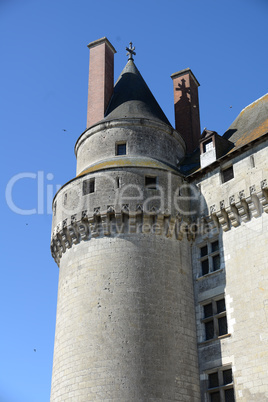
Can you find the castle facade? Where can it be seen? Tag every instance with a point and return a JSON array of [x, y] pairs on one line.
[[161, 242]]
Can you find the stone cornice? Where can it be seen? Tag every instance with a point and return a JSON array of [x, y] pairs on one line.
[[129, 161], [239, 208], [82, 227]]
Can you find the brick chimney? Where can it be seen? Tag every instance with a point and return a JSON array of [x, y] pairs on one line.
[[101, 79], [186, 104]]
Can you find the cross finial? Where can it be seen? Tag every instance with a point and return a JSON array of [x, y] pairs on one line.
[[130, 51]]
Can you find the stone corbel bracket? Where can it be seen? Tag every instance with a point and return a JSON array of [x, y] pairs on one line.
[[241, 208]]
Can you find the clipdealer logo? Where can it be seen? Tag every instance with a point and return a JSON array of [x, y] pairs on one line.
[[43, 188]]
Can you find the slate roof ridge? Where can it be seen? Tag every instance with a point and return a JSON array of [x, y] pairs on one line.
[[250, 123], [254, 102]]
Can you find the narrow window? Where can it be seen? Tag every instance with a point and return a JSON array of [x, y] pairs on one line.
[[121, 148], [118, 182], [227, 174], [208, 310], [213, 380], [216, 262], [204, 251], [209, 328], [205, 266], [88, 186], [227, 376], [151, 182], [252, 161], [215, 246]]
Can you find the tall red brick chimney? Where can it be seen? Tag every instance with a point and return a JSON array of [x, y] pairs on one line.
[[186, 104], [101, 79]]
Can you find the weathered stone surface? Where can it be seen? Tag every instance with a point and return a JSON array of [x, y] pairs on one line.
[[117, 298], [242, 279]]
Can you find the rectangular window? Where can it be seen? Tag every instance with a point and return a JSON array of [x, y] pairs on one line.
[[214, 318], [220, 386], [210, 260], [151, 182], [227, 174], [121, 148], [208, 145], [88, 186]]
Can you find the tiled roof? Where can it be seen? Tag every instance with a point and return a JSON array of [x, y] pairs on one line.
[[250, 124]]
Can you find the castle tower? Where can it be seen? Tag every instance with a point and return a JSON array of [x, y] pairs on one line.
[[125, 327]]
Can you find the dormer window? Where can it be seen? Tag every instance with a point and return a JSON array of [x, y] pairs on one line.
[[212, 147], [207, 148]]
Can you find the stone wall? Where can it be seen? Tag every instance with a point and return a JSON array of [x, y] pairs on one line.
[[125, 326], [144, 138], [236, 216], [125, 321]]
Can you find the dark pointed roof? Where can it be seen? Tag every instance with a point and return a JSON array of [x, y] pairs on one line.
[[133, 99]]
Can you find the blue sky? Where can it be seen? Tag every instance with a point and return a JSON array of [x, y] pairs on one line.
[[43, 81]]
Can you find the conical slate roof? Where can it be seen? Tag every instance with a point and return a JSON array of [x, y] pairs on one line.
[[133, 99]]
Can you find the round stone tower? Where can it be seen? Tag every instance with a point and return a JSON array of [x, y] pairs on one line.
[[125, 327]]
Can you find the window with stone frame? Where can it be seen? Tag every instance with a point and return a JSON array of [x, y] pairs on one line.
[[151, 182], [220, 386], [121, 148], [210, 260], [214, 318], [88, 186], [227, 174]]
